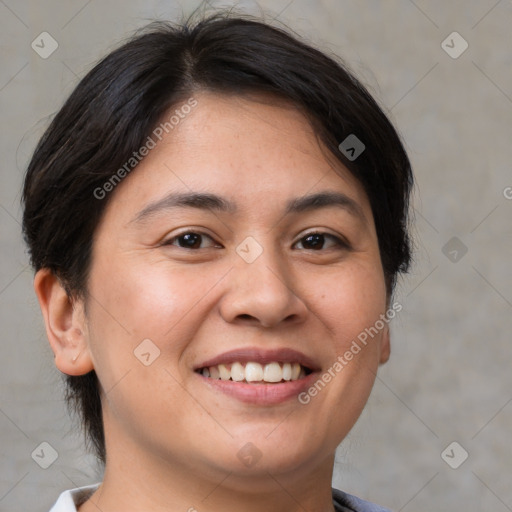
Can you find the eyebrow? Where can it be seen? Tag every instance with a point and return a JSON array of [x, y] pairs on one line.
[[208, 201]]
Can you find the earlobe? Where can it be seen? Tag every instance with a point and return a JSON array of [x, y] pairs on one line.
[[385, 346], [65, 324]]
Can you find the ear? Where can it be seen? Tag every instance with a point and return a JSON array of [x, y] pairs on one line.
[[64, 320], [385, 345]]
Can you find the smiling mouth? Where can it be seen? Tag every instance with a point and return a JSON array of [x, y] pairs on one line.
[[256, 373]]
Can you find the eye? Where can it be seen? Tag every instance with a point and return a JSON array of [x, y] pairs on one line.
[[316, 241], [189, 240]]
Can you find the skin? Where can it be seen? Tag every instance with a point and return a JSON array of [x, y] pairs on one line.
[[172, 442]]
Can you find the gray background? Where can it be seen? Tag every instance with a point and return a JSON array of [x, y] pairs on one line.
[[449, 376]]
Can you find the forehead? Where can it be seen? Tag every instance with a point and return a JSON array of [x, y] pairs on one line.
[[254, 151]]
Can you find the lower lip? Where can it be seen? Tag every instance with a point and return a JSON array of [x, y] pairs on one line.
[[261, 394]]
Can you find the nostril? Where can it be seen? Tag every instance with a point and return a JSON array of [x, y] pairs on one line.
[[244, 316]]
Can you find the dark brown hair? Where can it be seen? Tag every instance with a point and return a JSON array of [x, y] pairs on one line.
[[119, 102]]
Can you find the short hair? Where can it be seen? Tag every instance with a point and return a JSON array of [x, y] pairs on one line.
[[115, 107]]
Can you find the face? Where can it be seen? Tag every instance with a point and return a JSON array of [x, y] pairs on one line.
[[235, 283]]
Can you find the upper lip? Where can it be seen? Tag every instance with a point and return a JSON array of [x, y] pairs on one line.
[[262, 356]]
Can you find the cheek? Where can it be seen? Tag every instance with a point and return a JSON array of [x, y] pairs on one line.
[[351, 301], [132, 301]]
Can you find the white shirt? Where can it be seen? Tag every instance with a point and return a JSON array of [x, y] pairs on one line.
[[69, 500]]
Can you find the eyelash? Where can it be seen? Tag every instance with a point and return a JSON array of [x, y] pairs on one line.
[[339, 242]]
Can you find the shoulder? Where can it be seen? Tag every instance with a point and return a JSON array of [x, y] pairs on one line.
[[344, 502], [69, 500]]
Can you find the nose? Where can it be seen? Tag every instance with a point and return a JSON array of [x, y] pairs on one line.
[[262, 293]]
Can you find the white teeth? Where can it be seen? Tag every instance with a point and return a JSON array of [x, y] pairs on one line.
[[272, 373], [237, 372], [287, 371], [225, 374], [295, 371], [255, 372]]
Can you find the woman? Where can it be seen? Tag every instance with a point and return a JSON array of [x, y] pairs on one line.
[[217, 217]]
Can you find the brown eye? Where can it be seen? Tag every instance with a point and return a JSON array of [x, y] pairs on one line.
[[317, 241], [188, 240]]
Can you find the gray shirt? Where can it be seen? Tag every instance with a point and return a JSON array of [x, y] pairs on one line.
[[344, 502]]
